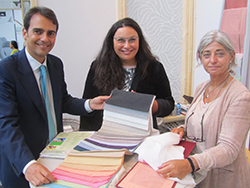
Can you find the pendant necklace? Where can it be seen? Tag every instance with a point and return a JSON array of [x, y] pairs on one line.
[[207, 95], [225, 81]]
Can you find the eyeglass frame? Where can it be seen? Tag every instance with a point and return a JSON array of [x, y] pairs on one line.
[[193, 137], [126, 39]]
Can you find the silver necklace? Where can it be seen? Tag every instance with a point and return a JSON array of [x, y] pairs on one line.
[[217, 92], [207, 95]]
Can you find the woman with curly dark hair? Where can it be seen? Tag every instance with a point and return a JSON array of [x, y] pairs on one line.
[[125, 62]]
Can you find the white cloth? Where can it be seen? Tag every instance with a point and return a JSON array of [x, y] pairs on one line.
[[155, 150]]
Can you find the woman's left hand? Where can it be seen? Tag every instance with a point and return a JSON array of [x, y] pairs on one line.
[[155, 107], [175, 168]]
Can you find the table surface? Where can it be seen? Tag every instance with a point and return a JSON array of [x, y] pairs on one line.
[[129, 162]]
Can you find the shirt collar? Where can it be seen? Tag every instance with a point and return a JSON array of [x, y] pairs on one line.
[[33, 62]]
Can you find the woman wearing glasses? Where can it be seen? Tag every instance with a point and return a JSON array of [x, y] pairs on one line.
[[218, 121], [125, 62]]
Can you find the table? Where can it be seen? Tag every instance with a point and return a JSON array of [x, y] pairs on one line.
[[129, 162]]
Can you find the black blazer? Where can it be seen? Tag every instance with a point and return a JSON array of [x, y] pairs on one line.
[[23, 120], [156, 82]]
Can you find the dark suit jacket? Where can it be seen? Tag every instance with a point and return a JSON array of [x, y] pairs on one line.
[[23, 121], [156, 83]]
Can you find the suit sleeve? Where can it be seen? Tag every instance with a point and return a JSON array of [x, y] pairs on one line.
[[12, 143], [63, 101]]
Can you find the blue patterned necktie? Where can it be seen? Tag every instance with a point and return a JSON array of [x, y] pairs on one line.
[[52, 128]]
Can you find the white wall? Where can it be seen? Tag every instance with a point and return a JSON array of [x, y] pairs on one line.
[[161, 23], [208, 17], [83, 24]]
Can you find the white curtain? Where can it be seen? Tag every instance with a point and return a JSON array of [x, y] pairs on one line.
[[245, 70]]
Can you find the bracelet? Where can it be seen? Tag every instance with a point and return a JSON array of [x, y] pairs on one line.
[[195, 167], [191, 164]]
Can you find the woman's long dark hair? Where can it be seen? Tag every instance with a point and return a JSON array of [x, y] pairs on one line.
[[109, 73]]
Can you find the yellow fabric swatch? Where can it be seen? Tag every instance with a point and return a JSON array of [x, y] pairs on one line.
[[94, 160], [90, 167]]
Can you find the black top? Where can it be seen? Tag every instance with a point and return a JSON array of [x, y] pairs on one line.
[[156, 83]]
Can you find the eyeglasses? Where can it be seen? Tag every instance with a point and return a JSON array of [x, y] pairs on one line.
[[130, 40], [193, 137]]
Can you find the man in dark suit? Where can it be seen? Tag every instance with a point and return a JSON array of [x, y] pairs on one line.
[[24, 128]]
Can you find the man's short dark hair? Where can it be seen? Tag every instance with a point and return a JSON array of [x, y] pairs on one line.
[[44, 11]]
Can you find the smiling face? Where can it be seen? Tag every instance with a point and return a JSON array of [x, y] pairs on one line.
[[40, 37], [216, 59], [126, 45]]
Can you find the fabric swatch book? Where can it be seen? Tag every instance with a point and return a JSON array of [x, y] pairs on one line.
[[63, 143], [88, 169], [127, 121]]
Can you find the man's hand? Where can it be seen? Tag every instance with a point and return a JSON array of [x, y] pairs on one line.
[[97, 103], [37, 174]]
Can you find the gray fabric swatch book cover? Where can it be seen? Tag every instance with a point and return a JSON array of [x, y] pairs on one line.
[[127, 121]]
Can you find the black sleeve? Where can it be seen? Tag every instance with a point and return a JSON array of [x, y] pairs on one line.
[[93, 122]]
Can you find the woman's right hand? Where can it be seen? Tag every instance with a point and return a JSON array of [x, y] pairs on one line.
[[179, 131]]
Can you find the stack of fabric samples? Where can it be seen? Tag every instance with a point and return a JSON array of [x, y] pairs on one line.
[[88, 169], [127, 121]]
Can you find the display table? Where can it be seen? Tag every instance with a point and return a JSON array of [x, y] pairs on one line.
[[129, 162], [71, 139]]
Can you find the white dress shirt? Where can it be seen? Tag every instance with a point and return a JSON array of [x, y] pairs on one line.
[[35, 65]]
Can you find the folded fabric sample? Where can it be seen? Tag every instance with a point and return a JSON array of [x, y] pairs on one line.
[[127, 121], [92, 170], [143, 176]]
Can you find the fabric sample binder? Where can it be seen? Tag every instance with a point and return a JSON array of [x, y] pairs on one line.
[[127, 121]]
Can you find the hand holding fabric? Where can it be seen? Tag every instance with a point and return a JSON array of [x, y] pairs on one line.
[[175, 168], [97, 103], [155, 107], [179, 131]]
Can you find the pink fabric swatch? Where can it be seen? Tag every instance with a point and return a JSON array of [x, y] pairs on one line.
[[87, 172], [81, 177], [82, 182]]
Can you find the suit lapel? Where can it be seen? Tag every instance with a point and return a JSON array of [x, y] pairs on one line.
[[27, 79]]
